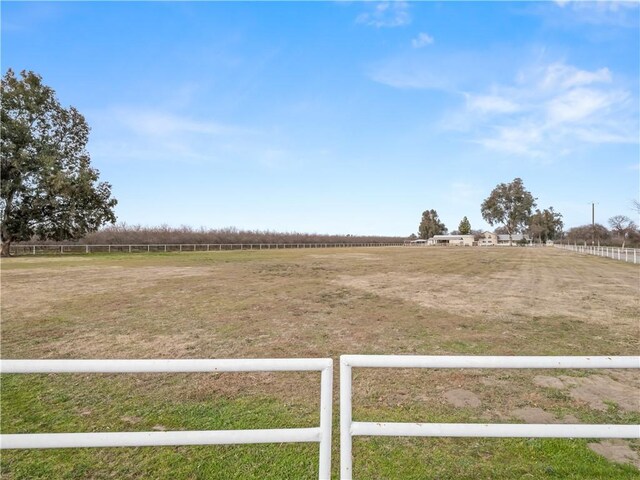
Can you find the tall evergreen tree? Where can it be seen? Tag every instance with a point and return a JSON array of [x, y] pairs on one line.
[[430, 225], [465, 226]]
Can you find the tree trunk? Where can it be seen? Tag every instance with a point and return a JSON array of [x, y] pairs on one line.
[[5, 252]]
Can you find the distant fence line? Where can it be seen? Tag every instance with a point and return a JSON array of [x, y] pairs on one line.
[[631, 255], [182, 247]]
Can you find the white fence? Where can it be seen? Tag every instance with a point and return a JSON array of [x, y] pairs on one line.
[[178, 247], [349, 428], [321, 434], [631, 255]]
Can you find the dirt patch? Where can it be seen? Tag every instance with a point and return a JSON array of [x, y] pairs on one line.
[[523, 291], [131, 420], [347, 256], [533, 415], [548, 382], [462, 398], [598, 389], [616, 451], [36, 291]]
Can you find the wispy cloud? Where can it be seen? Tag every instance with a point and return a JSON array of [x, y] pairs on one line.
[[438, 69], [163, 136], [386, 14], [550, 109], [163, 124], [491, 104], [621, 13], [155, 135], [422, 40]]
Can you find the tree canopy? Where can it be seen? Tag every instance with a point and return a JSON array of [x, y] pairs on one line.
[[623, 226], [587, 233], [465, 226], [546, 225], [430, 225], [49, 189], [508, 205]]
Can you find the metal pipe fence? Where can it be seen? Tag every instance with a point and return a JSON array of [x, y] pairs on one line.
[[321, 434], [178, 247], [631, 255], [349, 428]]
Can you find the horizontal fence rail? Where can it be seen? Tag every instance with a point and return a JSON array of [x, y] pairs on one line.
[[180, 247], [631, 255], [349, 428], [321, 434]]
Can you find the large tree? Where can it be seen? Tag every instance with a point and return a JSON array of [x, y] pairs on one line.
[[465, 226], [546, 225], [49, 189], [623, 226], [509, 205], [430, 225]]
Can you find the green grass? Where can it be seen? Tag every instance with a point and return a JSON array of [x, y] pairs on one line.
[[84, 403], [382, 458], [81, 403]]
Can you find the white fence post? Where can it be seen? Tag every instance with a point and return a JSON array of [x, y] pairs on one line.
[[346, 459]]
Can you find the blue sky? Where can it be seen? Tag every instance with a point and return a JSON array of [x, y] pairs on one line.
[[344, 117]]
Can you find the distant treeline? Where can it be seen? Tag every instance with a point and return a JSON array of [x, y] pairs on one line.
[[123, 234], [599, 234]]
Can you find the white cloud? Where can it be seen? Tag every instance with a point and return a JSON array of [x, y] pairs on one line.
[[579, 104], [560, 75], [422, 40], [386, 14], [621, 13], [163, 124], [523, 139], [550, 110], [154, 135], [598, 5], [491, 104], [545, 110]]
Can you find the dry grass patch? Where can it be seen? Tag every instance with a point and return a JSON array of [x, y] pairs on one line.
[[323, 303]]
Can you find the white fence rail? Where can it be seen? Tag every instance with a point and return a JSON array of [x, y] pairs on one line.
[[349, 428], [631, 255], [321, 434], [179, 247]]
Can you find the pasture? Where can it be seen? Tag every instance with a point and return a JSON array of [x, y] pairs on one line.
[[321, 303]]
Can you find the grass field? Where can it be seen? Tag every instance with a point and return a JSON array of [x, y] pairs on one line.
[[319, 303]]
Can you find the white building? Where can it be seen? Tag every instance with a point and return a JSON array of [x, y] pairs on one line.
[[458, 240], [488, 239]]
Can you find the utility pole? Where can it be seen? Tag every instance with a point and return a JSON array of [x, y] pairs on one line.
[[593, 223]]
